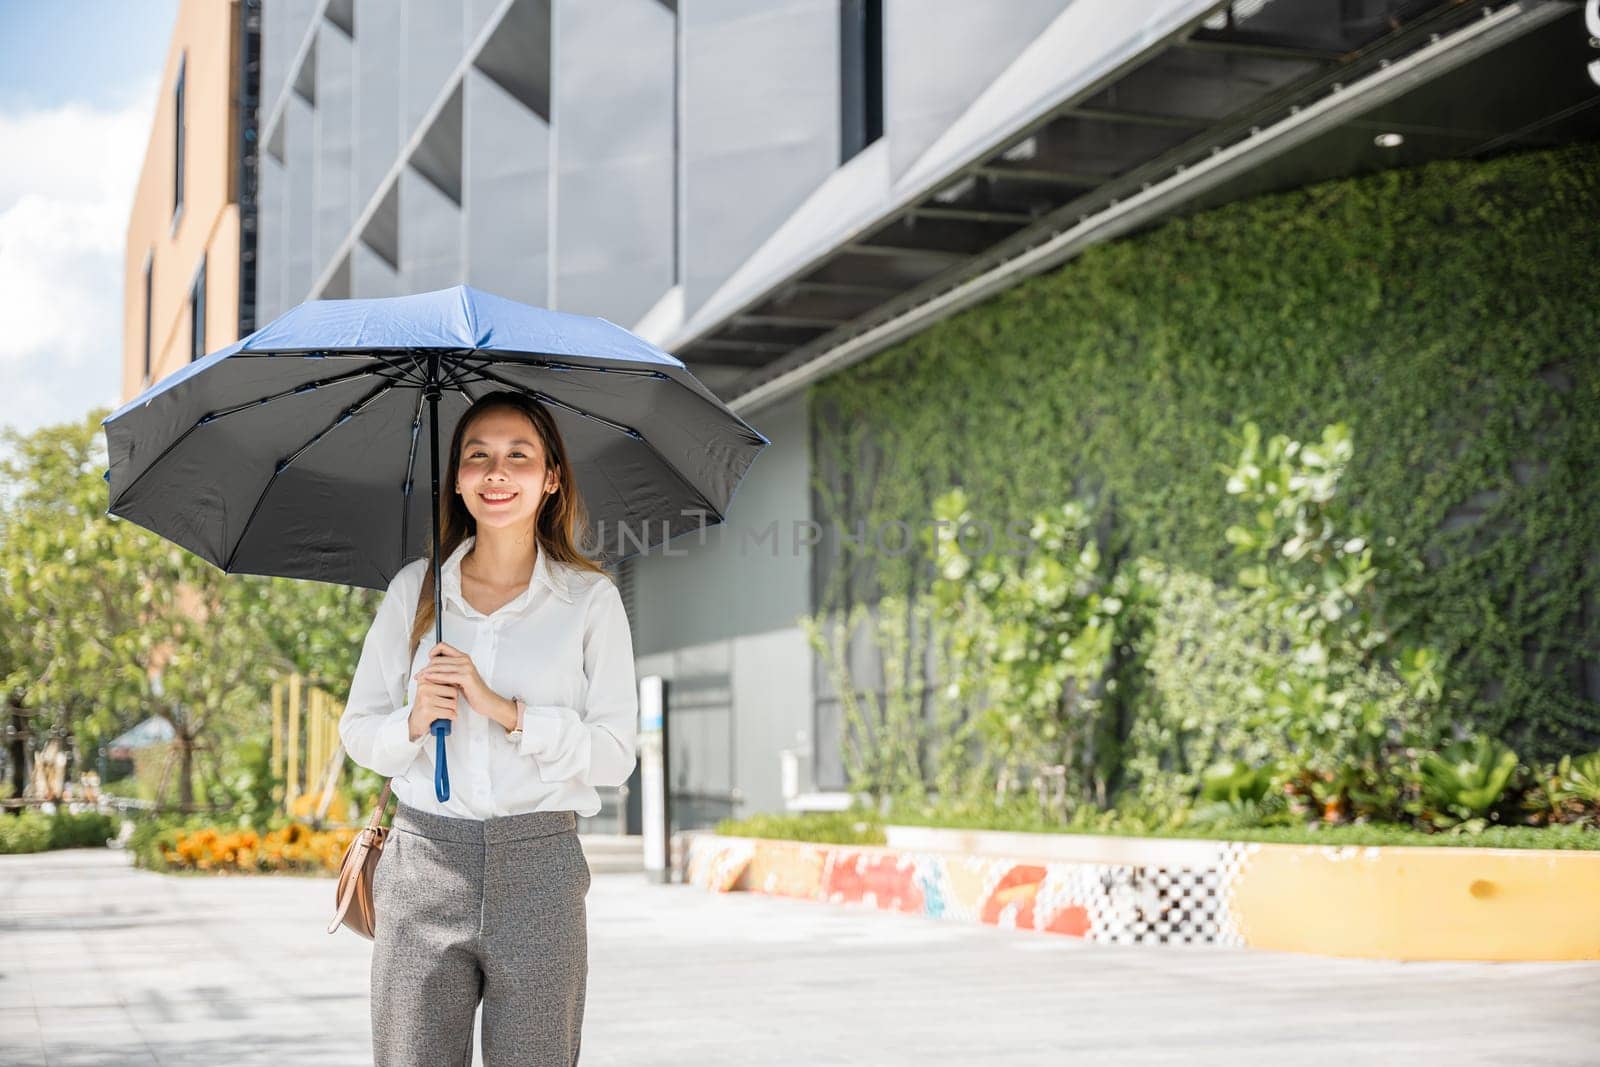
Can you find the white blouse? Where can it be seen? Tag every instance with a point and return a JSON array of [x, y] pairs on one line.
[[563, 645]]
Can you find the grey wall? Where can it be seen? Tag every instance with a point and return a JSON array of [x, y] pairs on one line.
[[730, 586], [377, 93], [719, 623], [430, 236], [433, 36], [760, 125], [334, 126], [370, 276], [589, 200], [300, 155], [939, 55], [592, 191], [478, 14], [613, 100], [506, 193], [271, 196], [283, 27]]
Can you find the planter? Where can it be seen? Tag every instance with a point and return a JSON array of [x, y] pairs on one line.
[[1401, 903]]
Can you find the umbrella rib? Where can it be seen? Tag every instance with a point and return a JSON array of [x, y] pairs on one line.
[[411, 456], [409, 376], [283, 464], [411, 460], [540, 395], [382, 355], [459, 382], [213, 416], [556, 365], [629, 430], [539, 362], [411, 466]]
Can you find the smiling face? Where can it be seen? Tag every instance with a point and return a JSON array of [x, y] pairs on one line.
[[503, 476]]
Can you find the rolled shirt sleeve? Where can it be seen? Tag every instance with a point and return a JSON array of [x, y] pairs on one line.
[[374, 726], [598, 746]]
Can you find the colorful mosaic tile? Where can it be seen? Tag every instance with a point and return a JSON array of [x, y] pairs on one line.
[[1109, 903]]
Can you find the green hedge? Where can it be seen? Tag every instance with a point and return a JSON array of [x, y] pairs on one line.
[[36, 832], [864, 827], [826, 827], [1450, 314]]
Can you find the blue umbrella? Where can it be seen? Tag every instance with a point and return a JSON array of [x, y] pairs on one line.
[[293, 452]]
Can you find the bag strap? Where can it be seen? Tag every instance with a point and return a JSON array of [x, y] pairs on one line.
[[383, 802]]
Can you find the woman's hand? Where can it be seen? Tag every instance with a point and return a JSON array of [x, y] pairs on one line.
[[448, 665], [434, 701]]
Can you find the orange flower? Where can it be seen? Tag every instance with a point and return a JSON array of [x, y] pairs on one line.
[[294, 847]]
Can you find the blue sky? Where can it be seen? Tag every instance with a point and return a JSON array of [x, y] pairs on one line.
[[95, 52], [78, 82]]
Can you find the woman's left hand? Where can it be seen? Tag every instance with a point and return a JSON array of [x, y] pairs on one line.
[[449, 665]]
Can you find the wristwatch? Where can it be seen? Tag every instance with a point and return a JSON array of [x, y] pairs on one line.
[[515, 735]]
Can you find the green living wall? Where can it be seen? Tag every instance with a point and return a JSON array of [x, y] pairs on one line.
[[1449, 314]]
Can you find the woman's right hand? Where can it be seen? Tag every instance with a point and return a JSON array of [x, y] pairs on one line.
[[435, 700]]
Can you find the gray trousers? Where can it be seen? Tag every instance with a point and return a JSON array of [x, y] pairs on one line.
[[471, 909]]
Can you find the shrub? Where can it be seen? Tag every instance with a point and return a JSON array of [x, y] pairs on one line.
[[86, 829], [1233, 782], [1580, 784], [1565, 792], [37, 832], [857, 827], [1465, 782], [28, 832]]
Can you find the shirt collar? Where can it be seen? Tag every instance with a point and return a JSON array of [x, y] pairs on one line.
[[543, 572]]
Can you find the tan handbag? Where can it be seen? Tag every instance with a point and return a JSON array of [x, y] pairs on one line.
[[353, 894]]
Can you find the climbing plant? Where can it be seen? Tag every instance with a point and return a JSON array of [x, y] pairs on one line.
[[1036, 637], [1449, 315], [1345, 691]]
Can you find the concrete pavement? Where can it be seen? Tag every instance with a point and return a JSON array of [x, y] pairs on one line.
[[104, 964]]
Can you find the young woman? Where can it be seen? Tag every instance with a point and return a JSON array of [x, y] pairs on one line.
[[483, 897]]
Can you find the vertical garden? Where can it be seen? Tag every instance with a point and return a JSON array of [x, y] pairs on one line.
[[1423, 344]]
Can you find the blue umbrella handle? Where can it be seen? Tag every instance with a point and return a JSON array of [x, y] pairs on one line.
[[441, 772]]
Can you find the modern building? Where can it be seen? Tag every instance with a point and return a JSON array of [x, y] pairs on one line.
[[776, 190], [188, 272]]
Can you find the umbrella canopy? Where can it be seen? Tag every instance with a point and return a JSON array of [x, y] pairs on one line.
[[298, 451], [294, 452]]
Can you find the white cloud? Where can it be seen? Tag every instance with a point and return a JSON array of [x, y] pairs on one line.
[[65, 192]]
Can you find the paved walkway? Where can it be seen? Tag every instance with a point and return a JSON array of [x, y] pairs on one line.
[[104, 964]]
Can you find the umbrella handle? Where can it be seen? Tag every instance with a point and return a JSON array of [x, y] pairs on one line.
[[441, 770]]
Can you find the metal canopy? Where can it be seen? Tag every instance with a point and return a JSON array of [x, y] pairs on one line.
[[1243, 68]]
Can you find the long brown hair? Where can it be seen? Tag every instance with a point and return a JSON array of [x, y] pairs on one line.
[[560, 515]]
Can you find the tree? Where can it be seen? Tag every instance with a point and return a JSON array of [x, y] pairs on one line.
[[113, 622]]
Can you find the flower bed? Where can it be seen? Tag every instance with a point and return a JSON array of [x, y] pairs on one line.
[[291, 848]]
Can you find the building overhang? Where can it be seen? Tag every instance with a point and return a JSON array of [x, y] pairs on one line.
[[1184, 106]]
